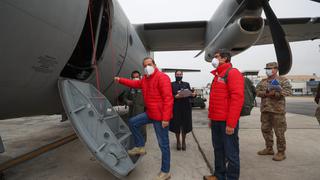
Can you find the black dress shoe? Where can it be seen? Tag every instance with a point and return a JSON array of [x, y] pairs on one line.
[[178, 147]]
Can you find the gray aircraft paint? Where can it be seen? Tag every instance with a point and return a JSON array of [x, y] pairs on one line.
[[37, 39], [40, 37], [99, 126]]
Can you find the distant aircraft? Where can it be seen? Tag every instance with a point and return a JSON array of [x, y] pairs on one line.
[[43, 42]]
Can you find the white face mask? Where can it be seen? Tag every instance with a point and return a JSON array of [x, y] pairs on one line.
[[149, 70], [269, 72], [215, 62]]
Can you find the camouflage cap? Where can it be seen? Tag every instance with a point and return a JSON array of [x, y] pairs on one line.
[[271, 65]]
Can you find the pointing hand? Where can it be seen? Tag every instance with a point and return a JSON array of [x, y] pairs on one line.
[[116, 79]]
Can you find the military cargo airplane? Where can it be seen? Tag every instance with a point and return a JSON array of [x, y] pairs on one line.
[[52, 49]]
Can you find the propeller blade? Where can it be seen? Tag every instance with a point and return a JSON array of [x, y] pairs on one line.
[[281, 45]]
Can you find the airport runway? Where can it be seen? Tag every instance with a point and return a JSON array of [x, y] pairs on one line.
[[299, 105]]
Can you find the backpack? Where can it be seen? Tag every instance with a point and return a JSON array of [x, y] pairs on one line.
[[249, 95]]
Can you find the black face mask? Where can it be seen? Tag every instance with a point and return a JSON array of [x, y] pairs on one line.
[[178, 78]]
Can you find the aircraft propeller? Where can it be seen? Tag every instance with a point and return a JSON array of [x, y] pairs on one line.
[[316, 1], [281, 45]]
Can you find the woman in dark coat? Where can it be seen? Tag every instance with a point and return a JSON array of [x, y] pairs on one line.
[[182, 115]]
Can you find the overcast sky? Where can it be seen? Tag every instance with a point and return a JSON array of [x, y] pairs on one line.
[[306, 54]]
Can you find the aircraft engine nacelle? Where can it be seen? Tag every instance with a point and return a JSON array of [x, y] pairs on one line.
[[237, 37]]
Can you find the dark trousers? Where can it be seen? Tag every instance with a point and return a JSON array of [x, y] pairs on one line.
[[226, 151]]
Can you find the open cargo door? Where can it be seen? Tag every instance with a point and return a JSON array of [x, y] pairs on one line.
[[99, 126]]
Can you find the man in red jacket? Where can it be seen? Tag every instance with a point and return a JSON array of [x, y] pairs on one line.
[[225, 104], [158, 99]]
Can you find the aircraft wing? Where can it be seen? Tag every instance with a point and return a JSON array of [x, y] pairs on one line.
[[296, 29], [173, 36]]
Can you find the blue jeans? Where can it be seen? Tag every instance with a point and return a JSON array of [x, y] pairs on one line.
[[162, 136], [226, 151]]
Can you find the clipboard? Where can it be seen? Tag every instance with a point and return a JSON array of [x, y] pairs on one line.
[[185, 93]]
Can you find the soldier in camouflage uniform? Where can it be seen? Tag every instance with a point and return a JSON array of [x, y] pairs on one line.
[[134, 99], [272, 91]]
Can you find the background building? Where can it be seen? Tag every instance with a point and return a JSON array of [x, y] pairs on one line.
[[302, 85]]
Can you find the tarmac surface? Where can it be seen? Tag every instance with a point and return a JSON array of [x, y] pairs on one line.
[[300, 105], [73, 161]]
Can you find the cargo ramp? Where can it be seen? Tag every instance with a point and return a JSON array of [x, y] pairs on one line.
[[99, 126]]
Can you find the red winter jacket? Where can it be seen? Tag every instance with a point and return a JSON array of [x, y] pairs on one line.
[[157, 94], [226, 98]]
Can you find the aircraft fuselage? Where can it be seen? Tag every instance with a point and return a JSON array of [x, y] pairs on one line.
[[41, 41]]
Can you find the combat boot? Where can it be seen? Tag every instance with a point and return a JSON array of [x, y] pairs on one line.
[[279, 156], [266, 151]]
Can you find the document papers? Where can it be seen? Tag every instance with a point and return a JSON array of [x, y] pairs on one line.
[[185, 93]]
